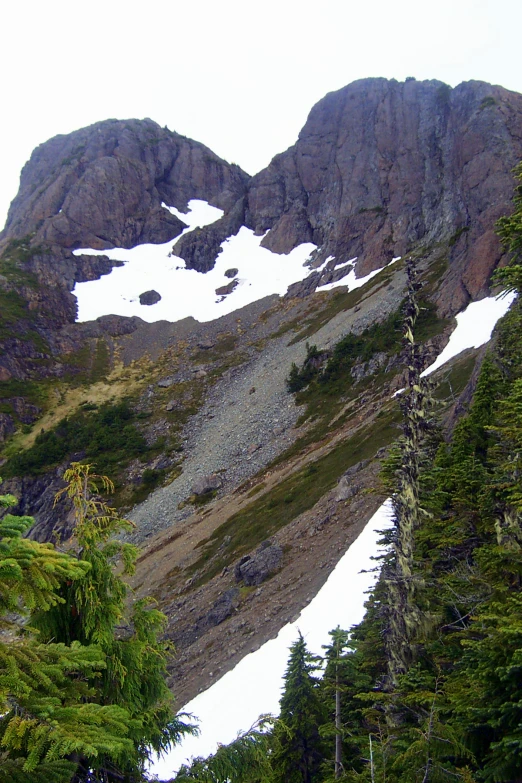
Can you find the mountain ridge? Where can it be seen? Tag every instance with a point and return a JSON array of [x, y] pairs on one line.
[[380, 169]]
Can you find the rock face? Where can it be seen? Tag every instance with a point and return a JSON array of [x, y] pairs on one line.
[[382, 165], [379, 168], [103, 186]]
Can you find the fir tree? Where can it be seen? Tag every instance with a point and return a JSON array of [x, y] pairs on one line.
[[403, 616], [298, 748], [46, 717]]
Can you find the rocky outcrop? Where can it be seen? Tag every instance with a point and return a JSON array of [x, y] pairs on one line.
[[381, 166], [258, 566], [103, 186]]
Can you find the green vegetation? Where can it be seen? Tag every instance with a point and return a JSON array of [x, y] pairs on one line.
[[324, 384], [276, 508], [427, 689], [489, 101], [82, 700], [107, 435]]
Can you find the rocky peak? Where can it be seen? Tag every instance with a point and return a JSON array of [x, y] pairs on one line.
[[103, 186], [382, 165]]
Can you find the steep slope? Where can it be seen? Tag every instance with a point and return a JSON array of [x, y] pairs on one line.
[[380, 169]]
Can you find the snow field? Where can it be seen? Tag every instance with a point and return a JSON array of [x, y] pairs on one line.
[[185, 292], [253, 688]]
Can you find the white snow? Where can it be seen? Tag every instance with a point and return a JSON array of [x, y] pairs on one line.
[[474, 327], [350, 280], [223, 710], [253, 687], [200, 214], [186, 292]]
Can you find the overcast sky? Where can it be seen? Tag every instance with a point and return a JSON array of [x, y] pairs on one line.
[[238, 76]]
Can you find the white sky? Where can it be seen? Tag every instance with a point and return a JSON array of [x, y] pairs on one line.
[[239, 77]]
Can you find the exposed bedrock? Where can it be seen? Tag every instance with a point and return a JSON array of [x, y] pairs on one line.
[[103, 186], [382, 165]]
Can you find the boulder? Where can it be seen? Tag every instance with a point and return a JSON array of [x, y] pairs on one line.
[[207, 484], [224, 290], [223, 607], [255, 568], [150, 298]]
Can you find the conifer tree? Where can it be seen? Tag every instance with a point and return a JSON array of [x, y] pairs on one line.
[[47, 711], [93, 611], [403, 616], [341, 683], [298, 748]]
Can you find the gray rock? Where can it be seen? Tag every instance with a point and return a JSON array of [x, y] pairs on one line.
[[223, 607], [149, 298], [230, 273], [224, 290], [164, 383], [205, 344], [254, 569], [346, 490], [207, 484]]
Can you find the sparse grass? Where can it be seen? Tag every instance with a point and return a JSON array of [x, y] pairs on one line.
[[256, 489], [60, 400], [341, 301], [296, 494], [224, 344]]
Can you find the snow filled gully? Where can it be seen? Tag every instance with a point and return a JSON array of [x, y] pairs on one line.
[[222, 710]]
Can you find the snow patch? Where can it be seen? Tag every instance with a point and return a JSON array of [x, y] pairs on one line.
[[351, 281], [253, 687], [474, 327], [199, 214], [185, 292]]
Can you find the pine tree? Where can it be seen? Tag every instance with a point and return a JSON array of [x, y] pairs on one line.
[[298, 748]]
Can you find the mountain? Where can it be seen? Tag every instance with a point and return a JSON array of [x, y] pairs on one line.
[[197, 422]]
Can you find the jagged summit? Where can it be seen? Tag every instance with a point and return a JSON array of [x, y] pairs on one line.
[[102, 186], [379, 167]]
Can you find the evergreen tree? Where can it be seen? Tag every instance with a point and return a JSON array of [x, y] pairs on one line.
[[403, 616], [298, 748], [93, 611], [47, 711], [341, 683]]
